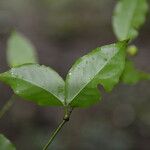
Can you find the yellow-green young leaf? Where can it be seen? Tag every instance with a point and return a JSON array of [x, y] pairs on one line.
[[20, 50], [5, 144], [102, 66], [131, 75], [128, 17], [36, 83]]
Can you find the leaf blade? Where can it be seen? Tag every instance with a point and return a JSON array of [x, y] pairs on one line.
[[20, 50], [92, 69], [36, 83], [129, 16], [131, 75], [5, 144]]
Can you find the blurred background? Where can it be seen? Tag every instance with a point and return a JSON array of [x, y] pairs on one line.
[[63, 31]]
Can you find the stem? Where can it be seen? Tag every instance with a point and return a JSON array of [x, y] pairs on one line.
[[54, 134], [67, 114], [7, 106]]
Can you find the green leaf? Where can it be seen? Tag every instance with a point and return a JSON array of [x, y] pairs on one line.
[[131, 75], [102, 66], [128, 17], [36, 83], [20, 50], [5, 143]]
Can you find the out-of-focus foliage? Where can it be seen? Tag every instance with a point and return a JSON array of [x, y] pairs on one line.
[[5, 144], [129, 16], [20, 50], [131, 75]]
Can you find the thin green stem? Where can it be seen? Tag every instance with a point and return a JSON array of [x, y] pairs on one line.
[[54, 134], [7, 106], [67, 114]]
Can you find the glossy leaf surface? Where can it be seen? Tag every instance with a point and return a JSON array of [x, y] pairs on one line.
[[129, 16], [5, 144], [20, 50], [36, 83], [131, 75], [102, 66]]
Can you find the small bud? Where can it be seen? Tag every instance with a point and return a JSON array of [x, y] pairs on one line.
[[66, 118], [132, 50]]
